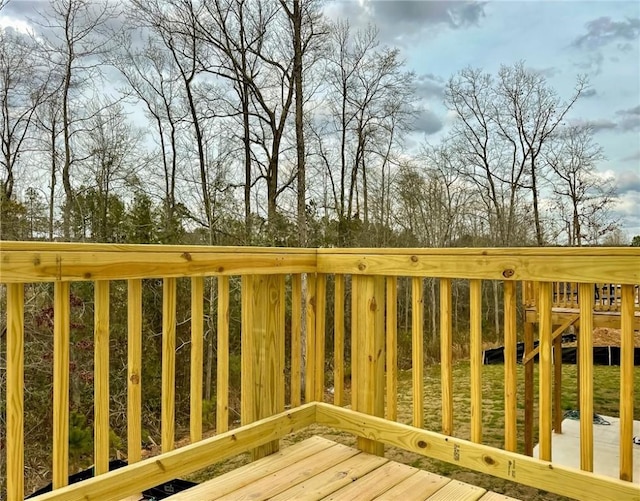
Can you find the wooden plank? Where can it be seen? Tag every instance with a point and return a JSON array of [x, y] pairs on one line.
[[392, 348], [446, 355], [310, 342], [458, 491], [528, 391], [487, 264], [294, 474], [525, 470], [530, 355], [319, 352], [381, 477], [510, 367], [419, 486], [101, 377], [15, 392], [558, 414], [167, 424], [134, 371], [249, 473], [296, 340], [494, 496], [197, 357], [338, 341], [626, 382], [222, 357], [417, 350], [262, 357], [142, 475], [544, 366], [89, 262], [475, 355], [585, 362], [61, 384], [355, 328], [369, 305]]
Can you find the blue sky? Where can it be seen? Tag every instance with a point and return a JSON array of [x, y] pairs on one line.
[[560, 38], [600, 39]]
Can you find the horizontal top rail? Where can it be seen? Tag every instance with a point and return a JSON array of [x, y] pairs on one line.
[[62, 261]]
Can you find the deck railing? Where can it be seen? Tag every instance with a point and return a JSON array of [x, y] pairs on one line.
[[279, 284]]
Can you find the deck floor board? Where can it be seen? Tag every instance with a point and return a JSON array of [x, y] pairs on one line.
[[319, 469]]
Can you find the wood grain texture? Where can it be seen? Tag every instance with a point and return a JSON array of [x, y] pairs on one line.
[[585, 362], [545, 368], [482, 458], [338, 340], [197, 357], [134, 370], [15, 392], [510, 367], [392, 348], [296, 340], [417, 350], [475, 355], [420, 485], [101, 377], [168, 364], [626, 383], [310, 341], [61, 384], [320, 331], [528, 391], [222, 360], [446, 356]]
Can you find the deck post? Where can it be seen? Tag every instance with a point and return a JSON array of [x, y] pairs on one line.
[[262, 357], [368, 349]]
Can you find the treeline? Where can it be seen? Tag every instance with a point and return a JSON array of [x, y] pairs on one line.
[[267, 122]]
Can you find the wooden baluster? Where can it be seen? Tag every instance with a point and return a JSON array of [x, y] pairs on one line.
[[475, 351], [338, 341], [392, 348], [167, 424], [446, 356], [626, 382], [222, 360], [134, 371], [15, 391], [296, 339], [61, 385], [101, 377], [310, 357], [545, 390], [417, 350], [585, 362], [197, 349], [321, 309], [510, 369]]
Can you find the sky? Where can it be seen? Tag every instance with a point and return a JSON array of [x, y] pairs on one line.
[[562, 39]]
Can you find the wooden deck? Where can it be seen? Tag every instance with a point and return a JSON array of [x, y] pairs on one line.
[[318, 468]]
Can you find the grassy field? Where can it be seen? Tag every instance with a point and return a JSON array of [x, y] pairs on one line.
[[606, 401]]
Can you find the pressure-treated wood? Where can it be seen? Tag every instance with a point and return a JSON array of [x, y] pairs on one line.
[[557, 384], [310, 342], [168, 364], [134, 370], [544, 365], [626, 383], [510, 369], [197, 348], [61, 384], [262, 357], [446, 355], [338, 341], [321, 311], [421, 485], [417, 350], [528, 391], [369, 338], [296, 339], [503, 464], [101, 377], [15, 392], [557, 334], [119, 484], [222, 359], [585, 362], [392, 348], [475, 354]]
